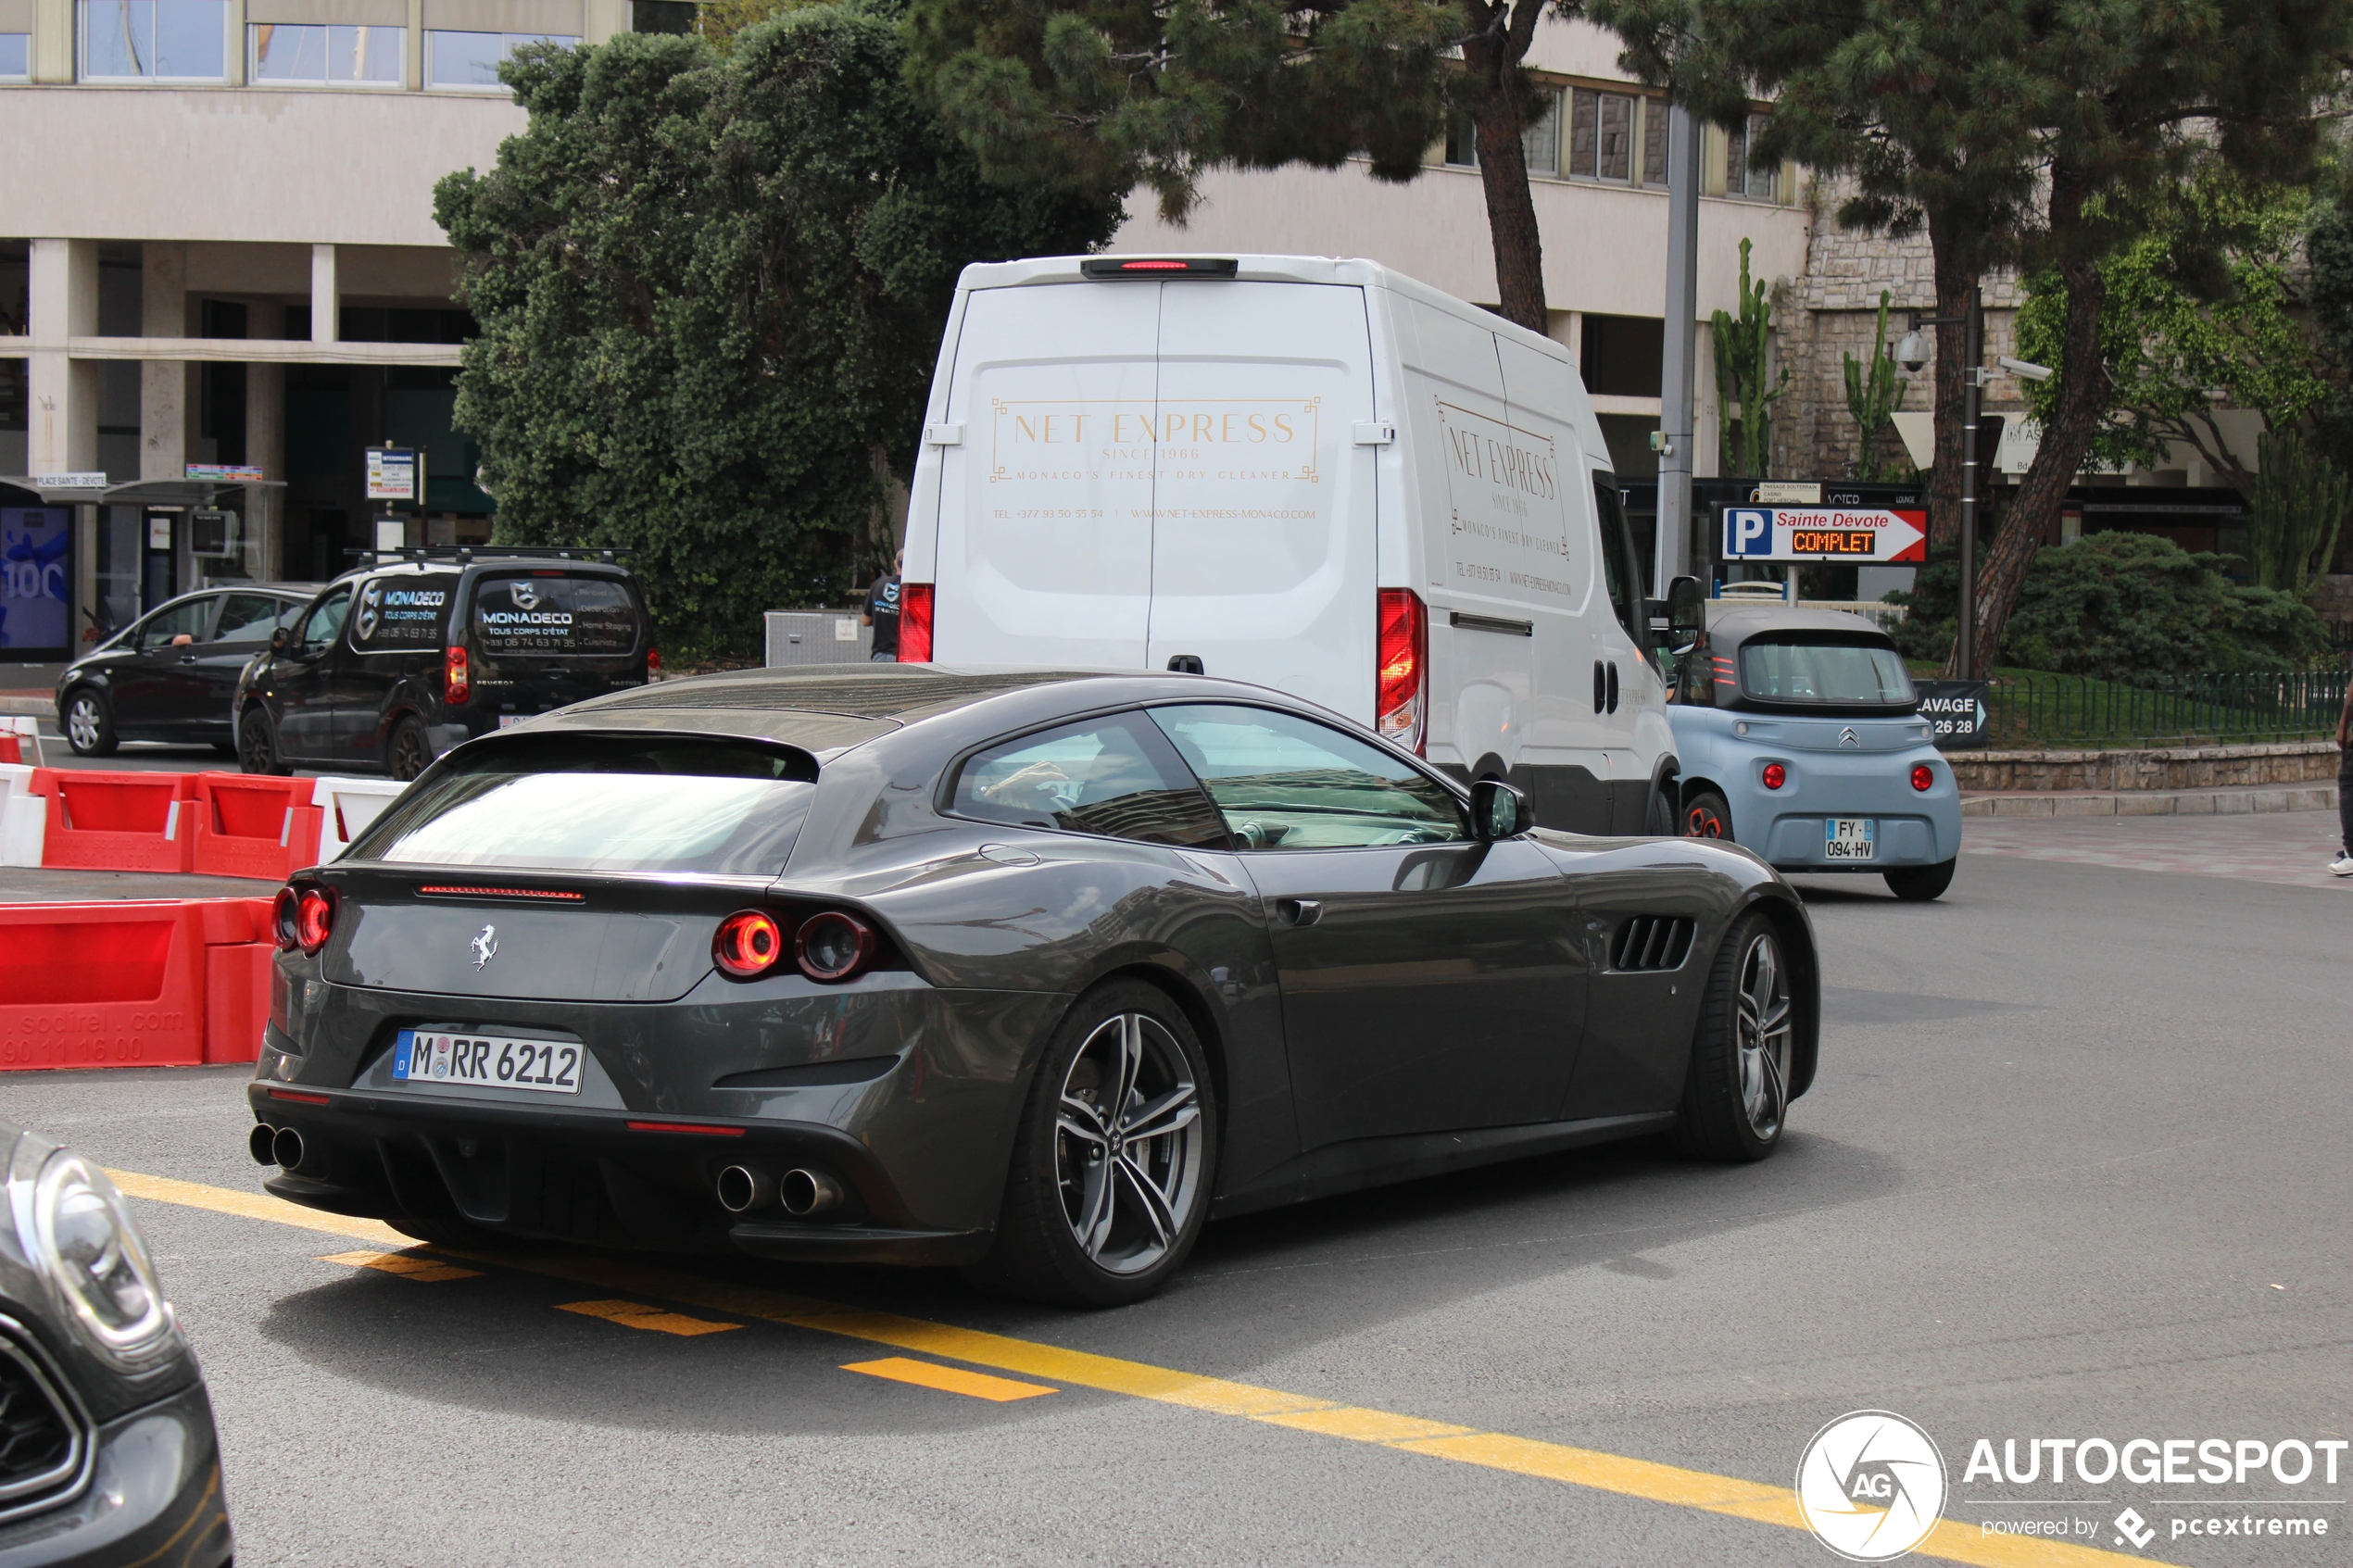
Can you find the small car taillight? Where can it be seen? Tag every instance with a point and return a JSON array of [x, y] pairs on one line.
[[282, 920], [914, 624], [1923, 777], [314, 919], [833, 945], [1401, 671], [748, 944], [1775, 775], [456, 683]]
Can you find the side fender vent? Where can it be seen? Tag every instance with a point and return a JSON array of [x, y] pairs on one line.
[[1651, 944]]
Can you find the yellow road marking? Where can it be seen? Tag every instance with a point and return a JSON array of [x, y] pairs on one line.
[[1951, 1540], [636, 1314], [254, 1206], [408, 1265], [949, 1379]]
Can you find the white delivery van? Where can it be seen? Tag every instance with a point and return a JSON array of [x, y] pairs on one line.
[[1315, 475]]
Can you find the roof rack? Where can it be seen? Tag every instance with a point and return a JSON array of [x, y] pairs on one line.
[[608, 554]]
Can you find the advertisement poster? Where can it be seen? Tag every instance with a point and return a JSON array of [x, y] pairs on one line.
[[34, 544]]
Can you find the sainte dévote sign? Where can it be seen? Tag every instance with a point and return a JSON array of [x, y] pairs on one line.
[[1863, 535]]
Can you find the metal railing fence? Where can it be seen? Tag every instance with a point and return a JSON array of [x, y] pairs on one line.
[[2222, 708]]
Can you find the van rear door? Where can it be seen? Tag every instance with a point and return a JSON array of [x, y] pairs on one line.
[[1262, 538], [1044, 554], [545, 637]]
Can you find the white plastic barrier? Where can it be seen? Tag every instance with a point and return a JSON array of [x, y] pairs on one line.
[[24, 817], [348, 806]]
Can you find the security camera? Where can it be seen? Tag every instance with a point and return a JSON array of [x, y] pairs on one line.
[[2023, 370], [1911, 351]]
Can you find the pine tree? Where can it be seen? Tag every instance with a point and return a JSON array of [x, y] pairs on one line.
[[1091, 93]]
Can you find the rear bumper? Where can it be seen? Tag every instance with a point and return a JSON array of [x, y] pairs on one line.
[[155, 1498]]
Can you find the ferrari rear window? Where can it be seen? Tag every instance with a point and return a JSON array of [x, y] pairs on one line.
[[597, 804], [1834, 673]]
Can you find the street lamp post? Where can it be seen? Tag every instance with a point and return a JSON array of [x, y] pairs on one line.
[[1912, 352]]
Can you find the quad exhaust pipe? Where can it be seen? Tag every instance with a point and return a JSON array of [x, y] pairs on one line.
[[743, 1189], [282, 1146]]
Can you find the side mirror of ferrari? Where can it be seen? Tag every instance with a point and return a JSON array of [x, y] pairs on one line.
[[1499, 810], [278, 639], [1686, 615]]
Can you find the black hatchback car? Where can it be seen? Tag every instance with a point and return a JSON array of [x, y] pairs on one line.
[[172, 674], [108, 1451], [394, 664]]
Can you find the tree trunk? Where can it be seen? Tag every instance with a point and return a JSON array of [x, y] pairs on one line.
[[1500, 35], [1954, 281], [2083, 397]]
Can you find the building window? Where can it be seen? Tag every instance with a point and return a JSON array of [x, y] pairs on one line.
[[1601, 136], [1462, 143], [317, 56], [1542, 138], [1739, 179], [1654, 141], [16, 57], [155, 41], [471, 59]]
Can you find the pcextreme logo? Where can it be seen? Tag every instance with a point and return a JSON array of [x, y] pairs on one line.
[[1870, 1486]]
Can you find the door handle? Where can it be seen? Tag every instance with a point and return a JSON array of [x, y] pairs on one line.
[[1601, 688], [187, 658], [1613, 686], [1300, 911]]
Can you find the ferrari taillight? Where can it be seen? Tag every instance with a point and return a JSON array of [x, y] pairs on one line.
[[1402, 684], [914, 624], [314, 919], [456, 682], [748, 944], [283, 911]]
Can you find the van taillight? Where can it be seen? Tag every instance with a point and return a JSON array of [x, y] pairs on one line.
[[1401, 703], [653, 664], [455, 683], [914, 624]]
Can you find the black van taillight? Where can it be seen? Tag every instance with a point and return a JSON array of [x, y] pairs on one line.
[[653, 664], [1158, 267], [456, 682]]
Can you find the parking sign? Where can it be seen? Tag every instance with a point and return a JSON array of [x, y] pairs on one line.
[[1862, 535]]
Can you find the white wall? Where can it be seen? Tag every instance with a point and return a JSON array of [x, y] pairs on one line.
[[253, 164]]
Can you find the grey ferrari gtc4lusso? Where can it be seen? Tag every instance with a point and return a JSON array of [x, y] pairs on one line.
[[1027, 970]]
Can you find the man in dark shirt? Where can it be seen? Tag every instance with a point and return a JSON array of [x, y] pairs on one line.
[[882, 613]]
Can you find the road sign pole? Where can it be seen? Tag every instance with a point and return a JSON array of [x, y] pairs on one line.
[[1972, 391], [1671, 549]]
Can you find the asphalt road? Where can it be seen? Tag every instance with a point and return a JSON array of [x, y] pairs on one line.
[[2076, 1167]]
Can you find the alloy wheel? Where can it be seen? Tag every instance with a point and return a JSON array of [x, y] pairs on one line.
[[85, 722], [256, 749], [1129, 1145], [409, 755], [1762, 1032]]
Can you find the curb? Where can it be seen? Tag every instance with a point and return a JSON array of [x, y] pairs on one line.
[[29, 707], [2153, 802]]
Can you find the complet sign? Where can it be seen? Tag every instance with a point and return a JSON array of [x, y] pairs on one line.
[[1865, 535], [392, 474]]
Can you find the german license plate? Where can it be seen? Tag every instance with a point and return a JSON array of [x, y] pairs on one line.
[[550, 1067], [1850, 838]]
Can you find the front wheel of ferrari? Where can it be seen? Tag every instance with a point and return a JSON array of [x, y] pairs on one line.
[[1736, 1092], [1113, 1162]]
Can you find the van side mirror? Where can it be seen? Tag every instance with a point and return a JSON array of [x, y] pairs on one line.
[[1499, 810], [1686, 615]]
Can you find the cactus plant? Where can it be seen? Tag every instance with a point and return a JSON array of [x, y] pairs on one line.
[[1873, 395], [1744, 444]]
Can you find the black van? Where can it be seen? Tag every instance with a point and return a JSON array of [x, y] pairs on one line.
[[394, 664]]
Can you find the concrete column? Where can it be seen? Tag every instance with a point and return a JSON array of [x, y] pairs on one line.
[[65, 393], [166, 403], [414, 71], [52, 41], [265, 447], [326, 322]]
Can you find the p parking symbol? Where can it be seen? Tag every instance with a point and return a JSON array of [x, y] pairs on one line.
[[1748, 531]]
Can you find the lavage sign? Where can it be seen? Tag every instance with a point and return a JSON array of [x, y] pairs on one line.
[[1871, 1485]]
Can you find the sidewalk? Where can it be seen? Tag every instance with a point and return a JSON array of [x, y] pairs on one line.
[[2239, 800]]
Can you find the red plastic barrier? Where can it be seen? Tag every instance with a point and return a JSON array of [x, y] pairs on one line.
[[10, 751], [133, 984], [118, 822], [254, 826]]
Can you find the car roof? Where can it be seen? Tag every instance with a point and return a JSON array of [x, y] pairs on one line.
[[826, 709], [1732, 622]]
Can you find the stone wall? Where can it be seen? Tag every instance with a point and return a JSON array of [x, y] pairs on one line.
[[2207, 767], [1831, 310]]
